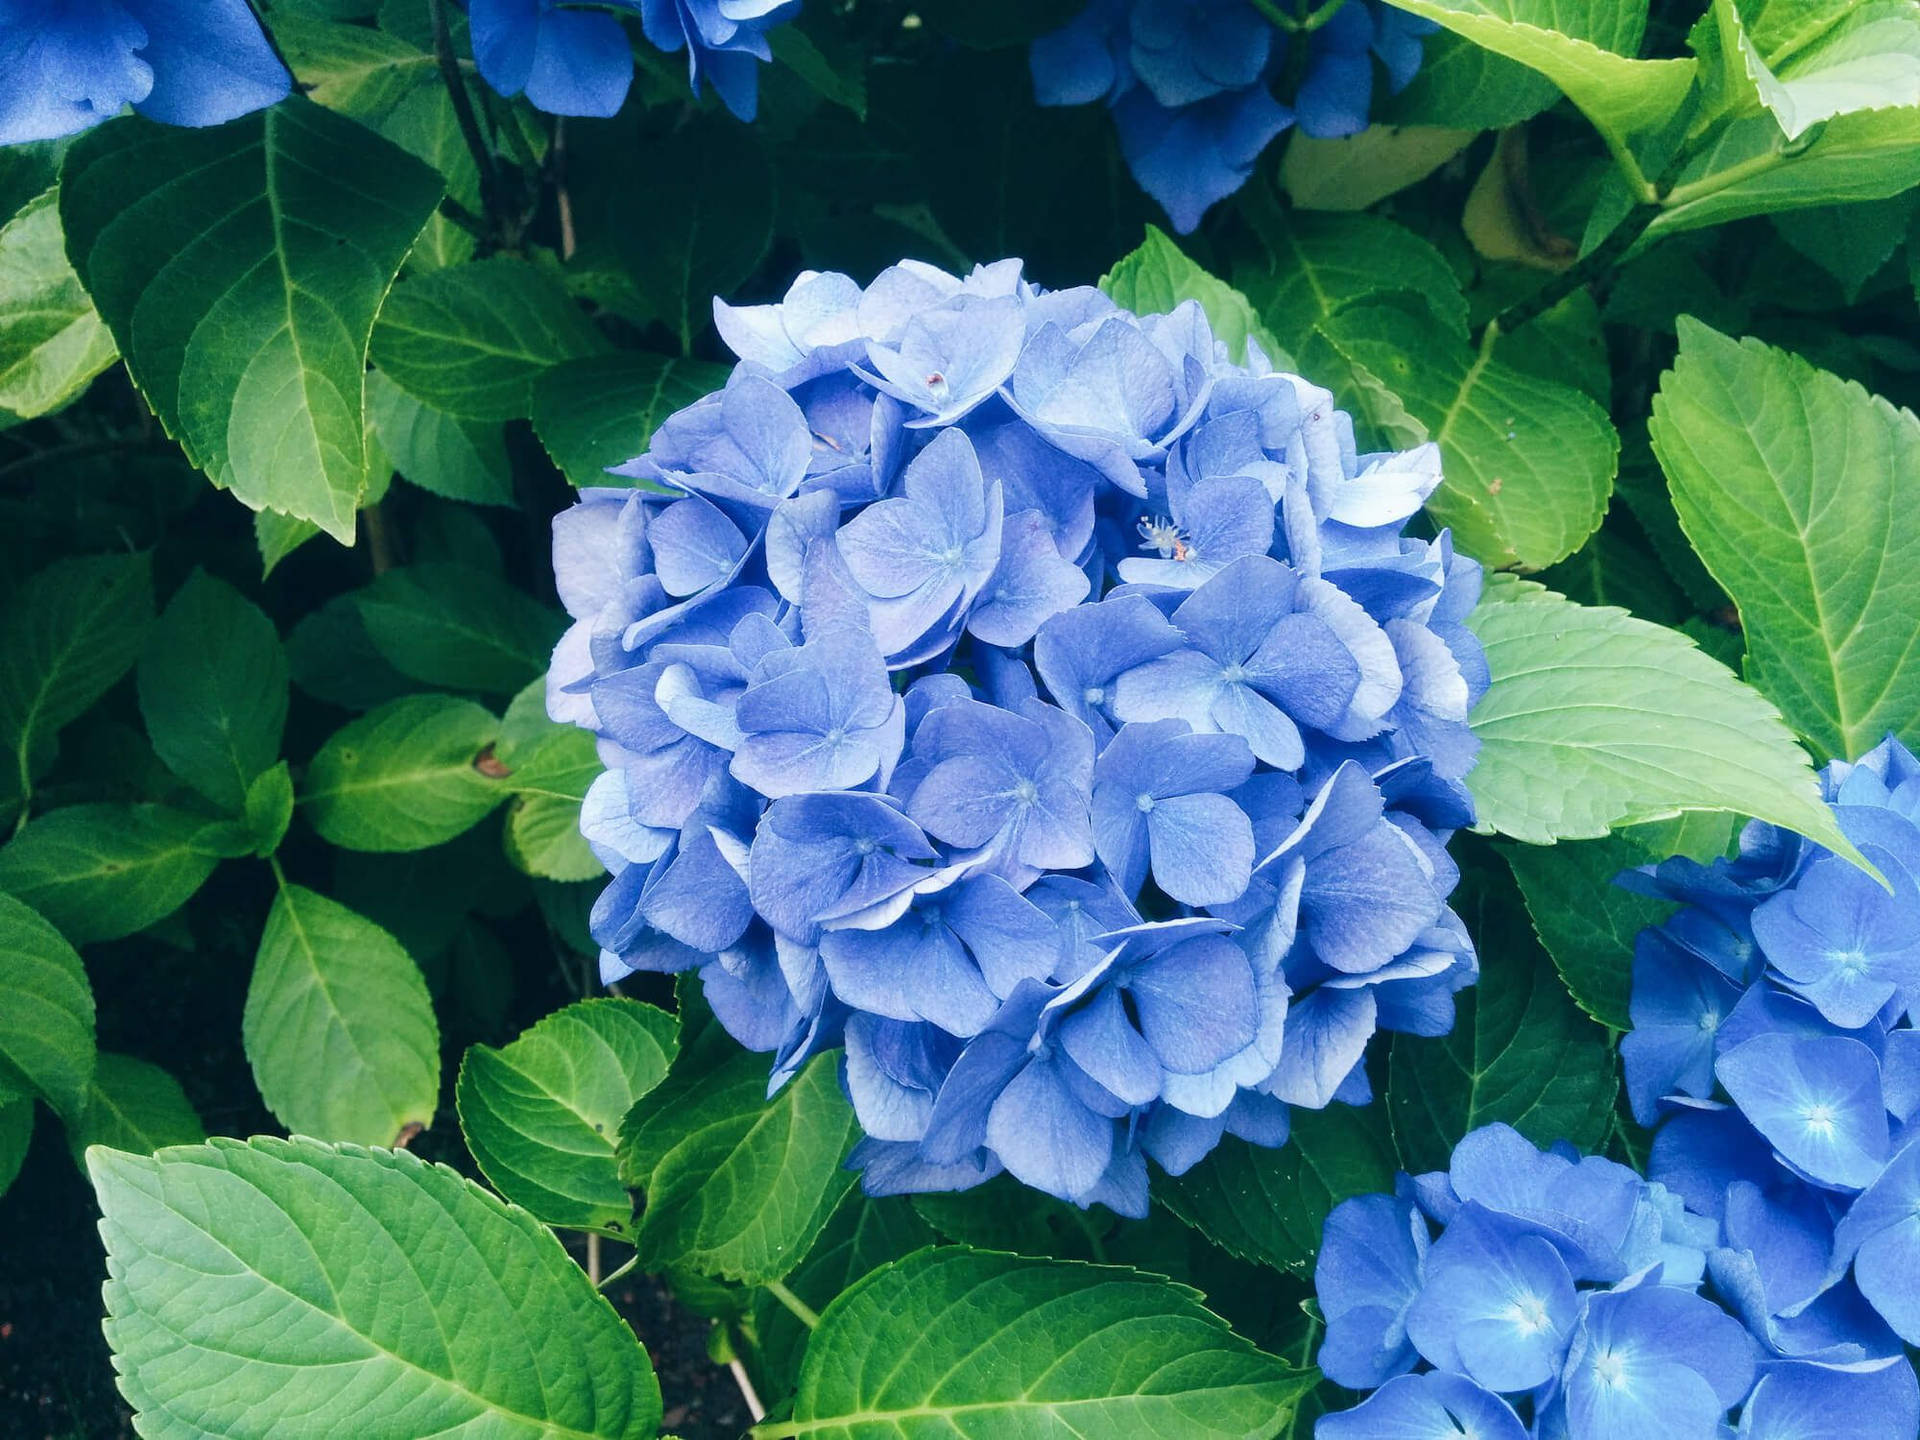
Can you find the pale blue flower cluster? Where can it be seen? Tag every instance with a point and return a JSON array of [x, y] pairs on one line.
[[1191, 82], [1047, 708], [1562, 1300], [1774, 1047]]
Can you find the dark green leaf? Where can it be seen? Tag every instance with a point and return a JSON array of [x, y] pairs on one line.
[[133, 1106], [99, 872], [16, 1133], [270, 808], [591, 414], [46, 1014], [459, 626], [460, 459]]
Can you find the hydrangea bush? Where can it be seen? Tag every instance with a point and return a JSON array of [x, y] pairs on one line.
[[645, 791]]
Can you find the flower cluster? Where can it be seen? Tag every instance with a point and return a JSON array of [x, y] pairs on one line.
[[66, 65], [569, 60], [1564, 1293], [1051, 710], [1773, 1044], [1190, 82]]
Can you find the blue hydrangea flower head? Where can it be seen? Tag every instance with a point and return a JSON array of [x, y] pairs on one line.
[[1040, 705], [66, 65], [1190, 82]]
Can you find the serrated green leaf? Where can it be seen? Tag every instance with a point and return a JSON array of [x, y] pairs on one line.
[[99, 872], [1795, 487], [16, 1134], [213, 690], [52, 343], [269, 808], [1852, 243], [737, 1185], [133, 1106], [591, 414], [240, 269], [338, 1027], [952, 1341], [460, 459], [1520, 1050], [67, 635], [1596, 720], [459, 626], [1810, 67], [844, 84], [1268, 1206], [541, 1116], [471, 340], [1158, 276], [405, 1300], [357, 70], [46, 1012], [1529, 463], [405, 776]]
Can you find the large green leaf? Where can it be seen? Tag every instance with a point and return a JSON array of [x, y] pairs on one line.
[[460, 459], [591, 414], [1159, 275], [958, 1342], [241, 268], [471, 340], [338, 1026], [1268, 1205], [65, 637], [1319, 263], [213, 690], [1459, 83], [1805, 65], [541, 1116], [459, 626], [1596, 720], [737, 1185], [295, 1290], [99, 872], [404, 777], [51, 341], [1528, 462], [1797, 489], [133, 1106], [46, 1012], [1520, 1050]]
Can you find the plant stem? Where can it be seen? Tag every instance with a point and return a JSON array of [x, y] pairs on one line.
[[747, 1393], [483, 157], [593, 1258], [1601, 258], [802, 1311], [621, 1272]]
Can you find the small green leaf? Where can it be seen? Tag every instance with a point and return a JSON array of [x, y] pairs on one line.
[[1268, 1206], [1520, 1051], [406, 776], [213, 690], [541, 1116], [1596, 720], [592, 414], [334, 659], [471, 340], [737, 1185], [99, 872], [405, 1300], [1852, 243], [543, 838], [1794, 487], [460, 459], [338, 1027], [46, 1013], [136, 1107], [953, 1341], [269, 808], [459, 626], [52, 343], [1158, 276], [240, 268]]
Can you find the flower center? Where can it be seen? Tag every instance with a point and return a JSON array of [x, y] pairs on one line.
[[1143, 802], [1026, 792], [1233, 674], [1709, 1020], [1529, 1313], [1609, 1369], [1095, 695], [1819, 1117]]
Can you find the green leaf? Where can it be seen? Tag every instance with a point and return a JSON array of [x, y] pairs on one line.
[[52, 343], [543, 838], [404, 777], [213, 690], [737, 1185], [844, 84], [240, 269], [16, 1134], [591, 414], [1268, 1206], [1520, 1050], [1584, 49], [99, 872], [1795, 487], [1463, 85], [1852, 243], [357, 70], [1353, 172], [1318, 264], [67, 635], [1158, 276], [953, 1341], [133, 1106], [334, 660], [459, 626], [1803, 68], [541, 1116], [405, 1300], [1588, 923], [460, 459], [1529, 462], [338, 1026], [1596, 720], [471, 340], [269, 808], [46, 1012]]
